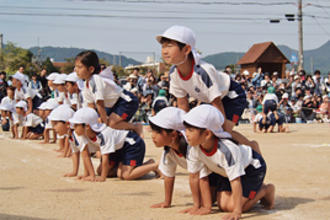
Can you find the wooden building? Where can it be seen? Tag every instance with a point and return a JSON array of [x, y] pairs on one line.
[[267, 56]]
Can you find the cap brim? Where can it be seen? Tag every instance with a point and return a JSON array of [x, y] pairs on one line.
[[75, 121], [98, 127]]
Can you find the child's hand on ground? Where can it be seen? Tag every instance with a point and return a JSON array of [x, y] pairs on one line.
[[203, 211], [161, 205], [232, 216], [70, 175], [190, 210], [99, 179], [89, 178]]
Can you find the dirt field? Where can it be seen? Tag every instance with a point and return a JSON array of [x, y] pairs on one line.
[[32, 186]]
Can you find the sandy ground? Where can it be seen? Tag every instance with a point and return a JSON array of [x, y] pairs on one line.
[[32, 185]]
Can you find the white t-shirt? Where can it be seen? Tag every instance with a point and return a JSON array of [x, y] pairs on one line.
[[109, 140], [257, 118], [74, 100], [169, 161], [24, 93], [32, 120], [227, 159], [78, 143], [98, 88], [204, 84], [270, 96], [18, 119], [48, 124], [62, 97]]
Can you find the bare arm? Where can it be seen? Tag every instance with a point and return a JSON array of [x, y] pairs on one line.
[[89, 169], [105, 168], [237, 195], [194, 187], [206, 196], [169, 185], [75, 163], [183, 103], [101, 111], [29, 101]]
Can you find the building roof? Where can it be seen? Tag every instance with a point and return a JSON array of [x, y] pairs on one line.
[[265, 52]]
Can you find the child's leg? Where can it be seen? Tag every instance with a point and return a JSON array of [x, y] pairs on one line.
[[131, 172], [268, 201], [54, 137], [61, 145], [34, 136], [46, 136]]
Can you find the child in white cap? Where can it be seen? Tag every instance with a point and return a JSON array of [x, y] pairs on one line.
[[191, 77], [119, 148], [33, 127], [240, 170], [75, 97], [115, 105], [59, 119], [19, 118], [60, 94], [6, 115], [25, 93], [50, 78], [48, 107], [167, 131]]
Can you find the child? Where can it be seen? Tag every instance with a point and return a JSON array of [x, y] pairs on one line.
[[59, 119], [194, 78], [19, 118], [51, 77], [168, 132], [270, 101], [10, 99], [60, 93], [6, 112], [48, 108], [75, 97], [25, 93], [105, 95], [261, 122], [160, 102], [122, 148], [33, 127], [240, 169]]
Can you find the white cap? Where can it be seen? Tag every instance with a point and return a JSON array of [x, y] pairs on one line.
[[52, 76], [21, 104], [169, 118], [7, 107], [208, 117], [72, 77], [307, 97], [275, 73], [88, 116], [246, 73], [285, 96], [61, 113], [51, 104], [43, 106], [296, 77], [20, 77], [183, 35], [292, 73], [60, 79]]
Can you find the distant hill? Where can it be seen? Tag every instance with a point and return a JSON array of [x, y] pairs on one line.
[[319, 58], [59, 54]]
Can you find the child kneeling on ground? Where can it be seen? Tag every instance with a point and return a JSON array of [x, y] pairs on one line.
[[238, 171], [121, 148]]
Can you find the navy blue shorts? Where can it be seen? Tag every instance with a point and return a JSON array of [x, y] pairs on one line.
[[38, 129], [235, 106], [279, 121], [130, 155], [251, 181], [269, 121], [126, 110], [36, 102], [270, 105], [6, 127]]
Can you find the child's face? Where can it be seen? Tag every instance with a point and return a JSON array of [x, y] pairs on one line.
[[41, 113], [47, 112], [60, 127], [19, 111], [172, 54], [10, 93], [50, 83], [195, 136], [79, 129], [89, 132], [160, 139], [83, 71], [61, 88], [69, 87]]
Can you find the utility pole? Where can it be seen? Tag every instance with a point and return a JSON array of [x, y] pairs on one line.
[[1, 41], [300, 37]]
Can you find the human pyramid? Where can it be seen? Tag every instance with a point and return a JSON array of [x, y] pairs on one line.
[[90, 114]]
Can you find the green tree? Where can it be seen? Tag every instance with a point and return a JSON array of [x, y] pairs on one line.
[[48, 65]]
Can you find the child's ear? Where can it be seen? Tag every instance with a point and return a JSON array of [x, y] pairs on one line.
[[91, 69], [187, 49]]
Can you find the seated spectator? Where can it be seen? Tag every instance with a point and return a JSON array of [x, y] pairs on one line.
[[307, 113], [35, 84]]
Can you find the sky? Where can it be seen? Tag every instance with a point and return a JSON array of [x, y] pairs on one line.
[[129, 27]]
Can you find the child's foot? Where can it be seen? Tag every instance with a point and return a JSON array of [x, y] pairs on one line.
[[268, 201]]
